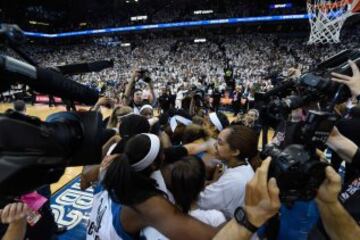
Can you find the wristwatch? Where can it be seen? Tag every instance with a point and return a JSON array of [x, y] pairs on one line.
[[358, 98], [241, 218]]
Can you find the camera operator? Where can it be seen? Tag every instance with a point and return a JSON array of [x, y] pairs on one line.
[[350, 126], [341, 211], [164, 100], [236, 96], [216, 98], [136, 101]]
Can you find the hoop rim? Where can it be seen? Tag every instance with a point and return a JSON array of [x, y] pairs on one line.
[[329, 5]]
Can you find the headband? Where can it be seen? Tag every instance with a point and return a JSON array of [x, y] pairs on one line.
[[214, 119], [175, 119], [146, 106], [126, 115], [152, 154]]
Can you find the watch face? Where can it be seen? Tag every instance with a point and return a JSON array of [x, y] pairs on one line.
[[240, 214]]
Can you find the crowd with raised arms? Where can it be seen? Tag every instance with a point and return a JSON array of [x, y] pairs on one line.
[[255, 60]]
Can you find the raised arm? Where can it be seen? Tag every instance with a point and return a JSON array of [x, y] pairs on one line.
[[129, 89], [171, 222], [338, 223], [344, 147], [154, 97]]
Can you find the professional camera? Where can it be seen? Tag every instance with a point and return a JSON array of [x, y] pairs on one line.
[[297, 168], [276, 104], [298, 172], [33, 152], [145, 75]]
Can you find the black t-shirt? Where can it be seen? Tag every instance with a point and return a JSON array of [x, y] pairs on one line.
[[350, 128], [350, 194], [216, 97], [350, 199], [164, 101]]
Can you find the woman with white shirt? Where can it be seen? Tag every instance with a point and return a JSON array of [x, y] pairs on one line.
[[235, 146]]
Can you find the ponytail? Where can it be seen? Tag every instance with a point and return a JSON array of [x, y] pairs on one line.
[[127, 186]]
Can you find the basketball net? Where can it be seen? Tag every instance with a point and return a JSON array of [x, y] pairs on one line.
[[327, 17]]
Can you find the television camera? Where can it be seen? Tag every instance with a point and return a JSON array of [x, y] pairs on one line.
[[33, 152], [297, 168]]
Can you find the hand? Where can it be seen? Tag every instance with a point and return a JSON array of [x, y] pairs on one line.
[[136, 74], [103, 101], [219, 171], [294, 72], [330, 188], [352, 82], [210, 145], [14, 212], [262, 196]]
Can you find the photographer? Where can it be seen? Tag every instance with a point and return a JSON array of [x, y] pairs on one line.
[[350, 126], [136, 101], [339, 210], [343, 210], [164, 100]]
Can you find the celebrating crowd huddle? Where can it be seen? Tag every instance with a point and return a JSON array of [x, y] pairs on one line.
[[175, 165]]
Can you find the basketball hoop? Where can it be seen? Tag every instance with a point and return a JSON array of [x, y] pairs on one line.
[[327, 17]]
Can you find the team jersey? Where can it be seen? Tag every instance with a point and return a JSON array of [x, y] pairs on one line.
[[104, 222]]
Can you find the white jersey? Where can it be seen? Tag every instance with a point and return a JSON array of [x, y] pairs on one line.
[[104, 222], [227, 193]]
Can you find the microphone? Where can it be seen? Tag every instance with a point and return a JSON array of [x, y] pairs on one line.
[[46, 81]]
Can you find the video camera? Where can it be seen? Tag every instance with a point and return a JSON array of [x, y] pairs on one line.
[[297, 168], [145, 75], [32, 152]]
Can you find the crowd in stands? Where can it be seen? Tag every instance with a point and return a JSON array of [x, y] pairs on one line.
[[253, 60]]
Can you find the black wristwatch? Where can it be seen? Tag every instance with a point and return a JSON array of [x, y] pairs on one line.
[[358, 98], [241, 218]]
